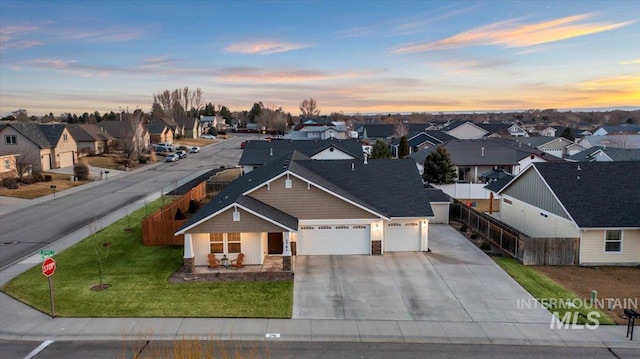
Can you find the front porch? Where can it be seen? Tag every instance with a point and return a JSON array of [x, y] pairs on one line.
[[271, 269]]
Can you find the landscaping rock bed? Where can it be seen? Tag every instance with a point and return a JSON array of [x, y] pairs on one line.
[[181, 277]]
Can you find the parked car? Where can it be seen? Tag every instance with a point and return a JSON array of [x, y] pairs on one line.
[[194, 149], [164, 145], [161, 149], [209, 137], [181, 154], [172, 158], [244, 143]]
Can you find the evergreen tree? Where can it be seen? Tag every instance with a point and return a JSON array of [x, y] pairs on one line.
[[380, 150], [438, 168], [403, 148], [568, 134]]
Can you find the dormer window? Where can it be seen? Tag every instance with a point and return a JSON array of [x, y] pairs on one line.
[[10, 140]]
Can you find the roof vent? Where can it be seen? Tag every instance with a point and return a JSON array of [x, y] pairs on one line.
[[482, 151], [271, 152], [365, 159], [353, 166], [579, 169]]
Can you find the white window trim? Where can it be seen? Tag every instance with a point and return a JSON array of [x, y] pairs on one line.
[[12, 143], [225, 244], [604, 242]]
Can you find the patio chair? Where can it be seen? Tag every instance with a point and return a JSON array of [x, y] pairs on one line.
[[213, 261], [238, 261]]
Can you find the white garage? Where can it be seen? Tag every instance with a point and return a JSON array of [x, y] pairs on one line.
[[333, 239], [402, 236], [66, 159], [440, 212]]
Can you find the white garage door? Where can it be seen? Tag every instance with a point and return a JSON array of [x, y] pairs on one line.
[[402, 236], [333, 239], [66, 159]]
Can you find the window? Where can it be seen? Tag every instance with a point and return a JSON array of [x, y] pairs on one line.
[[324, 227], [507, 201], [65, 138], [394, 225], [233, 243], [359, 227], [613, 241], [462, 173], [412, 224], [216, 241], [10, 140], [342, 227]]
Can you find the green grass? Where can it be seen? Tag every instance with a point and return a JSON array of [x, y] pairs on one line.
[[139, 288], [541, 286]]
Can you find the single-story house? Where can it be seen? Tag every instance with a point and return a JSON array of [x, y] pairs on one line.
[[418, 141], [295, 205], [386, 131], [616, 141], [91, 138], [606, 154], [178, 129], [159, 132], [318, 132], [626, 129], [556, 146], [191, 127], [596, 202], [129, 135], [44, 146], [258, 153]]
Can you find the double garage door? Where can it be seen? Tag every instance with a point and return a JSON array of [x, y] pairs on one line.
[[333, 240]]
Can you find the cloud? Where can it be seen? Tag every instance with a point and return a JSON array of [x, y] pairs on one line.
[[630, 62], [414, 26], [263, 75], [11, 37], [511, 34], [264, 47], [113, 34], [354, 33]]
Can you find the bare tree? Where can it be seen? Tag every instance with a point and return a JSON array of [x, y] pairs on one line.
[[309, 108], [21, 115], [178, 102], [272, 118], [165, 101], [400, 130], [132, 135], [26, 160]]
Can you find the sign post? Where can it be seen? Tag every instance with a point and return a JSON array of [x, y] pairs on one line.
[[48, 268]]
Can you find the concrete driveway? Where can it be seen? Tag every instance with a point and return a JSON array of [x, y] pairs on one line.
[[454, 282]]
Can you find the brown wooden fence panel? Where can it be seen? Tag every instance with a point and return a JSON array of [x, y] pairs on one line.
[[529, 251], [158, 228]]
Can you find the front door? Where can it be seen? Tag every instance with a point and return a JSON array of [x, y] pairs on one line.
[[274, 243]]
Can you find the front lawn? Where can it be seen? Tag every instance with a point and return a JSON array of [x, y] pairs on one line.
[[138, 278], [39, 189], [542, 287]]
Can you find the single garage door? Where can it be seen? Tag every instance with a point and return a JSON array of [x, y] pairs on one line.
[[333, 240], [402, 236], [66, 159]]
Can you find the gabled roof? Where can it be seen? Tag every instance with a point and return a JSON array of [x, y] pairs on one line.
[[258, 153], [386, 188], [497, 128], [169, 122], [617, 141], [538, 141], [43, 135], [615, 154], [417, 138], [455, 124], [595, 194], [473, 153], [155, 128], [118, 129], [88, 133], [187, 122], [622, 129], [497, 185], [386, 130], [436, 195]]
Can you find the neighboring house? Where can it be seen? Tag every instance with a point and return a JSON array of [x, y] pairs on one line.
[[318, 132], [557, 131], [91, 138], [8, 165], [618, 130], [295, 205], [465, 130], [604, 154], [129, 135], [547, 200], [191, 127], [259, 153], [556, 146], [501, 129], [382, 131], [178, 129], [46, 145], [159, 132], [420, 140], [207, 122], [616, 141], [472, 158]]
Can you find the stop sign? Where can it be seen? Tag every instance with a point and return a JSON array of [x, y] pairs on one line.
[[48, 267]]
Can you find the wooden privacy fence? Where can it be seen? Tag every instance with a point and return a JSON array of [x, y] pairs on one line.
[[159, 227], [527, 250]]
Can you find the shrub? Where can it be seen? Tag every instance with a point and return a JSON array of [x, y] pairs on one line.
[[184, 148], [10, 183], [143, 159], [28, 180], [38, 176], [474, 236], [179, 215], [194, 206], [81, 171], [463, 229], [485, 246], [48, 178], [222, 132]]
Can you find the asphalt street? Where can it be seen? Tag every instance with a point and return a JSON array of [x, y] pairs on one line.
[[303, 350], [29, 229]]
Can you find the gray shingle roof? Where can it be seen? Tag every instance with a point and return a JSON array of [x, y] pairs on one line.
[[155, 128], [43, 135], [187, 122], [616, 154], [257, 153], [437, 195], [392, 188], [596, 194], [88, 133]]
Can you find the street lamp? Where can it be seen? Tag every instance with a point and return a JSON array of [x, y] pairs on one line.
[[106, 175], [53, 187]]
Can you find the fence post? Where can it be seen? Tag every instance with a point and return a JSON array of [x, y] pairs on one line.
[[501, 246]]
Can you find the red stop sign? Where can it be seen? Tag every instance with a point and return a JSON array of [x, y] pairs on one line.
[[48, 267]]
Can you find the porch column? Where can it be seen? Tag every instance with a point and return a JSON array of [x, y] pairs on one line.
[[188, 259], [424, 235], [286, 251]]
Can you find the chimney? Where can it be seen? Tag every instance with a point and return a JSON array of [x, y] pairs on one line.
[[365, 159]]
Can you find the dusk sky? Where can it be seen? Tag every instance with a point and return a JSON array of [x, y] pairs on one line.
[[351, 56]]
